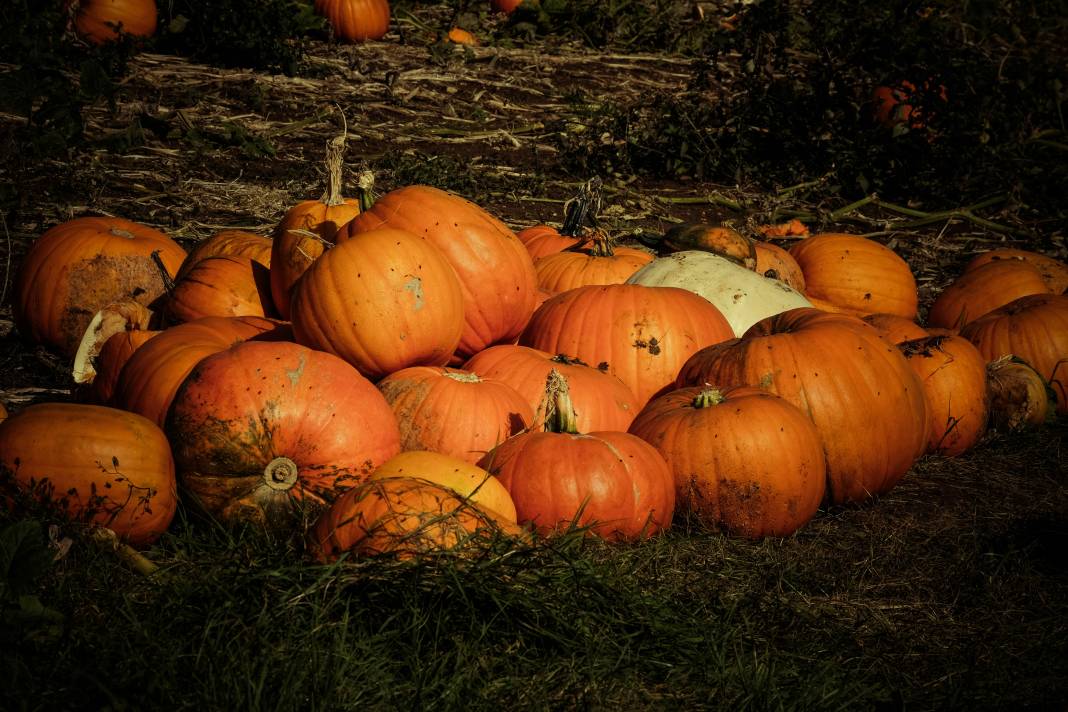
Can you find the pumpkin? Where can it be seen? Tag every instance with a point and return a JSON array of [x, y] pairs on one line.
[[458, 35], [895, 328], [113, 319], [382, 300], [453, 411], [310, 227], [110, 361], [98, 21], [863, 397], [405, 517], [601, 400], [580, 210], [891, 105], [3, 412], [857, 274], [356, 20], [743, 459], [953, 373], [544, 240], [95, 464], [229, 243], [506, 7], [1019, 396], [221, 286], [641, 334], [774, 262], [1033, 328], [80, 266], [741, 295], [597, 262], [264, 431], [495, 271], [615, 483], [461, 476], [984, 289], [152, 374], [1054, 272], [722, 241]]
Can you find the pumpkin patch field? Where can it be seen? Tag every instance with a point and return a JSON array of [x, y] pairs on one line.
[[428, 354]]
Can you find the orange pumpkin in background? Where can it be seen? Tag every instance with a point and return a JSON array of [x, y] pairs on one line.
[[356, 20], [891, 105], [97, 20]]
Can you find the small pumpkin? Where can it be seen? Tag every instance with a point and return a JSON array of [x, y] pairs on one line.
[[597, 261], [356, 20], [80, 266], [98, 21], [453, 411], [901, 104], [459, 35], [856, 274], [580, 210], [110, 361], [743, 459], [382, 300], [221, 286], [1019, 396], [953, 373], [266, 430], [774, 262], [613, 482], [461, 476], [229, 243], [95, 464], [406, 517]]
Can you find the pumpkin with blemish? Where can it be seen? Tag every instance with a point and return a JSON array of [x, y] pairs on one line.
[[228, 285], [983, 289], [1054, 272], [266, 431]]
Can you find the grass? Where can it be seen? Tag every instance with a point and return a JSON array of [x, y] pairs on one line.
[[950, 592]]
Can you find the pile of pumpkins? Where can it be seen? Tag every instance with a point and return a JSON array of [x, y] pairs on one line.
[[407, 373]]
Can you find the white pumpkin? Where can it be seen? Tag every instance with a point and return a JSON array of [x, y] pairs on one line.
[[743, 296]]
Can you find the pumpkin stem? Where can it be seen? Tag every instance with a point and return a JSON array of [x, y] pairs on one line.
[[582, 208], [556, 412], [280, 473], [137, 561], [708, 397], [335, 156], [365, 184]]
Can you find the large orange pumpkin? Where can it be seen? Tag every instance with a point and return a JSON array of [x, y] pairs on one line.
[[857, 274], [496, 273], [98, 21], [310, 227], [356, 20], [461, 476], [865, 400], [598, 262], [894, 328], [99, 465], [983, 289], [1054, 272], [453, 411], [642, 334], [221, 286], [743, 459], [382, 300], [230, 243], [601, 400], [402, 516], [78, 267], [1033, 328], [613, 482], [152, 374], [953, 373], [264, 430]]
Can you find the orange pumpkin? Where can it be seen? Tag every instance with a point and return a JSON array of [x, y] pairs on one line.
[[382, 300], [151, 376], [221, 286], [865, 400], [856, 274], [98, 21], [722, 241], [774, 262], [453, 411], [109, 363], [953, 373], [461, 476], [543, 240], [1033, 328], [613, 482], [892, 108], [642, 334], [495, 271], [506, 7], [230, 243], [598, 262], [76, 268], [310, 227], [743, 459], [96, 464], [403, 516], [601, 400], [458, 35], [895, 328], [1054, 272], [356, 20], [983, 289], [263, 431]]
